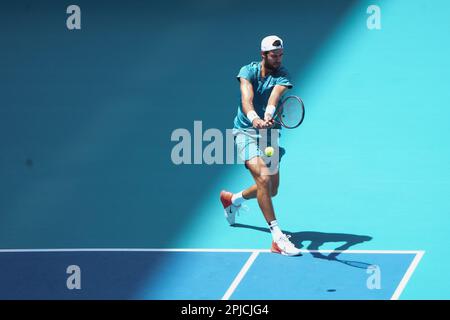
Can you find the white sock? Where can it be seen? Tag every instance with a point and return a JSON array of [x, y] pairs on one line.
[[275, 230], [237, 199]]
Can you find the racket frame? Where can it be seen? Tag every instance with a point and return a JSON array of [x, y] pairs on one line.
[[278, 113]]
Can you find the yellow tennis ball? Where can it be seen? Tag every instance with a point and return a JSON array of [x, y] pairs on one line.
[[269, 151]]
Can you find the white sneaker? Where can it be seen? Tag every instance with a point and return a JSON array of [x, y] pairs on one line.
[[285, 247], [229, 208]]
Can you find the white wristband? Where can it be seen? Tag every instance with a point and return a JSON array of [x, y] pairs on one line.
[[270, 110], [252, 115]]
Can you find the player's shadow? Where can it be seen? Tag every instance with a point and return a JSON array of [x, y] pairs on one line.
[[318, 239]]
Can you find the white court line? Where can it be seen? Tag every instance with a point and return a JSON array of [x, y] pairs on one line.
[[240, 275], [133, 250], [407, 275], [207, 250]]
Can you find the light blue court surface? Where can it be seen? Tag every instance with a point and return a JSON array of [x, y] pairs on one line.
[[204, 274]]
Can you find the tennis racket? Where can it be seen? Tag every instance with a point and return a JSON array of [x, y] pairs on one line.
[[290, 112]]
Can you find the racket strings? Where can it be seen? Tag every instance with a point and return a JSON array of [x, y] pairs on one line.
[[292, 112]]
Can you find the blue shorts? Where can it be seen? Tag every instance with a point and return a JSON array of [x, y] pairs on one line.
[[250, 144]]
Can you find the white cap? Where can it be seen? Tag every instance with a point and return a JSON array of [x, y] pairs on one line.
[[267, 44]]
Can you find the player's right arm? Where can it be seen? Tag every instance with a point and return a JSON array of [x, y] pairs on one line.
[[247, 104]]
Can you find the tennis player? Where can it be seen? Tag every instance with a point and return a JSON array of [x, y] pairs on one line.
[[262, 84]]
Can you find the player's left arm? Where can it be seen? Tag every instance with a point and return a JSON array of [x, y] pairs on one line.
[[275, 96]]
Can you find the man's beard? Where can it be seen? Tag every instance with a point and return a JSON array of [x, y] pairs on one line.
[[271, 67]]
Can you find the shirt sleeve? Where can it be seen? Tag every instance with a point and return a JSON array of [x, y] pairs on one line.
[[246, 73], [284, 80]]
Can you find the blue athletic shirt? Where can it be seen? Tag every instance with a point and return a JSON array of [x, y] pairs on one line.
[[262, 88]]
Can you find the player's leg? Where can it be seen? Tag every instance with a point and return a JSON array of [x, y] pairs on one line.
[[267, 185], [275, 183], [247, 146], [251, 192], [259, 170]]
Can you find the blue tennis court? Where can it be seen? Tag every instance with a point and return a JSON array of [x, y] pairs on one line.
[[203, 274]]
